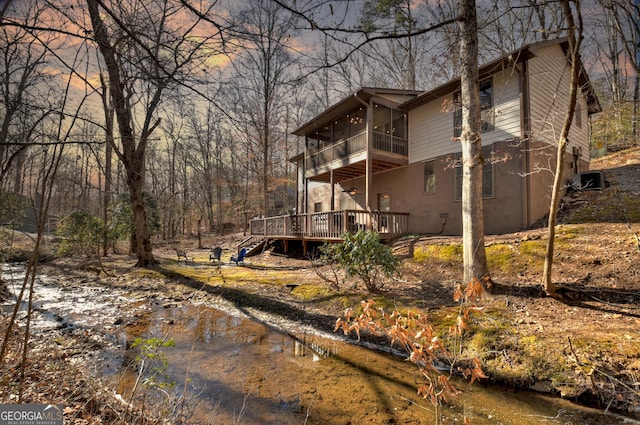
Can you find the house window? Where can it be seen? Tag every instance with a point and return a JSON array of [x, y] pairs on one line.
[[384, 202], [317, 207], [486, 108], [487, 175], [429, 177]]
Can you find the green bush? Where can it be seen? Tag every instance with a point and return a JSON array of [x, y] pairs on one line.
[[122, 226], [80, 233], [362, 254], [153, 362], [13, 209]]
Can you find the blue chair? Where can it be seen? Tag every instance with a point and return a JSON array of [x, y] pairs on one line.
[[240, 258]]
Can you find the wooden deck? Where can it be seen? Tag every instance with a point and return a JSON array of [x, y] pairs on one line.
[[330, 226]]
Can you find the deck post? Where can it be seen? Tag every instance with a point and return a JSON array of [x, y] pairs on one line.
[[369, 159]]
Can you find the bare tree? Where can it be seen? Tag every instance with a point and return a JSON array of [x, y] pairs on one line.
[[145, 53], [475, 259], [206, 159], [573, 18], [53, 132], [262, 74], [624, 20], [402, 58], [109, 116], [23, 85]]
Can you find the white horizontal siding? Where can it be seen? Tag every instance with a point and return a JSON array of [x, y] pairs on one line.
[[431, 131], [579, 136], [549, 78], [431, 125], [548, 89], [506, 101]]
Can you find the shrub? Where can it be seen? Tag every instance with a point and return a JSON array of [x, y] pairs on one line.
[[362, 254], [122, 226], [80, 233]]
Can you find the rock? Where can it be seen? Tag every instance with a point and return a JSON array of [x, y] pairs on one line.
[[294, 405], [542, 387]]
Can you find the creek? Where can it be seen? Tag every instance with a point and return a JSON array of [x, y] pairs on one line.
[[227, 367]]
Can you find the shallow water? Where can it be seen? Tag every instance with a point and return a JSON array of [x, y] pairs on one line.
[[228, 368], [242, 370]]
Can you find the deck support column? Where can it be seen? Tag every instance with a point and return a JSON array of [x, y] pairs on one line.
[[333, 193], [369, 163]]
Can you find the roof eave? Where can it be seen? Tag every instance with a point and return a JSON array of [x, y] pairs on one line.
[[347, 104]]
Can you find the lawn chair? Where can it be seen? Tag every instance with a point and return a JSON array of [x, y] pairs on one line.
[[240, 258], [215, 254], [182, 256]]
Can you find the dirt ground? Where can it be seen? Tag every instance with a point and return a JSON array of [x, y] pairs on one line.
[[583, 345]]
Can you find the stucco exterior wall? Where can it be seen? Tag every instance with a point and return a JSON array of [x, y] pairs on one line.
[[503, 212]]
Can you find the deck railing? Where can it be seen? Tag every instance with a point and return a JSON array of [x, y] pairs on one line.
[[391, 144], [357, 144], [330, 225]]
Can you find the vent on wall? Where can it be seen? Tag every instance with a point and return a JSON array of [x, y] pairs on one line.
[[589, 180]]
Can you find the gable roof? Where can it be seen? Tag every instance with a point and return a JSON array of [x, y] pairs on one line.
[[349, 103], [517, 56]]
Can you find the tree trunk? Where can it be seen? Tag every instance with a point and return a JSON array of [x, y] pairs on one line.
[[474, 256], [574, 35], [636, 101], [132, 156], [108, 117], [142, 239]]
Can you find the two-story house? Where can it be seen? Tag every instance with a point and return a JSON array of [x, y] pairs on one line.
[[388, 160]]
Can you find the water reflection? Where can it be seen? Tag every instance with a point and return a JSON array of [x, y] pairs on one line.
[[240, 370], [317, 351]]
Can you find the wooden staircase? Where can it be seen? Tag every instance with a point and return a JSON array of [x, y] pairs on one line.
[[253, 244]]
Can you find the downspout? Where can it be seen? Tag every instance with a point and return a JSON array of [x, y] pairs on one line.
[[332, 203]]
